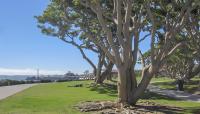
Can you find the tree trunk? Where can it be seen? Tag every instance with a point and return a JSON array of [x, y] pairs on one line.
[[147, 74], [101, 77], [194, 72], [126, 85], [99, 68], [129, 92], [95, 72], [107, 72], [98, 77], [180, 83]]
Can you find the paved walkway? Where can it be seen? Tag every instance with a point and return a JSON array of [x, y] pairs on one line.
[[7, 91], [175, 94]]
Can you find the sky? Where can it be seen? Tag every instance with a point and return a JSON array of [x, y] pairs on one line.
[[23, 48]]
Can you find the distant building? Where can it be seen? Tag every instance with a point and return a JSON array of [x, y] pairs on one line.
[[50, 78], [33, 79], [71, 76]]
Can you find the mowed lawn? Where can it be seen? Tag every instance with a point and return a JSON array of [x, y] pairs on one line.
[[52, 98], [60, 98]]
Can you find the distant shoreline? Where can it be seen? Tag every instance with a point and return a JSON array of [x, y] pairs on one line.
[[15, 77]]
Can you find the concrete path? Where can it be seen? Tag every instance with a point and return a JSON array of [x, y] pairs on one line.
[[174, 94], [7, 91]]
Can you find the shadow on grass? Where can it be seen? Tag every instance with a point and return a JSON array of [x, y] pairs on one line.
[[114, 81], [160, 108], [109, 89], [171, 84], [153, 96], [163, 109], [192, 110], [191, 86], [193, 82], [167, 109]]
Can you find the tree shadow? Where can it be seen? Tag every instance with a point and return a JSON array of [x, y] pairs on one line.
[[193, 82], [114, 81], [173, 83], [190, 86], [154, 96], [109, 89], [160, 108], [163, 109], [167, 109], [192, 110]]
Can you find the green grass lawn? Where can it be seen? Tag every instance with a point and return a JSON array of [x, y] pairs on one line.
[[59, 98]]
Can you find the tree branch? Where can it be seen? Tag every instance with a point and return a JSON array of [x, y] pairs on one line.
[[142, 58]]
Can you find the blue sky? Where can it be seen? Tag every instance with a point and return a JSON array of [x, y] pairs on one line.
[[23, 48]]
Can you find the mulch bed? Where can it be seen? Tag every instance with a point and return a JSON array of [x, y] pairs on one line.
[[108, 107]]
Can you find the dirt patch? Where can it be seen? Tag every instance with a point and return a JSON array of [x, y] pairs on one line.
[[108, 107]]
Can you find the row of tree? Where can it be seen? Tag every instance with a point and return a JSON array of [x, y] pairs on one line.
[[116, 30]]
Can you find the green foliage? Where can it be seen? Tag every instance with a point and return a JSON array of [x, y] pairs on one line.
[[63, 20]]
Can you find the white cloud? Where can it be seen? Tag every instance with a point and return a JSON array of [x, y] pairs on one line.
[[7, 71]]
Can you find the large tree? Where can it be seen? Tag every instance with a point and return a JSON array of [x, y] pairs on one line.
[[184, 64], [54, 22], [116, 27]]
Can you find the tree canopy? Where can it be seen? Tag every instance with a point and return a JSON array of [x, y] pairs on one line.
[[115, 27]]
